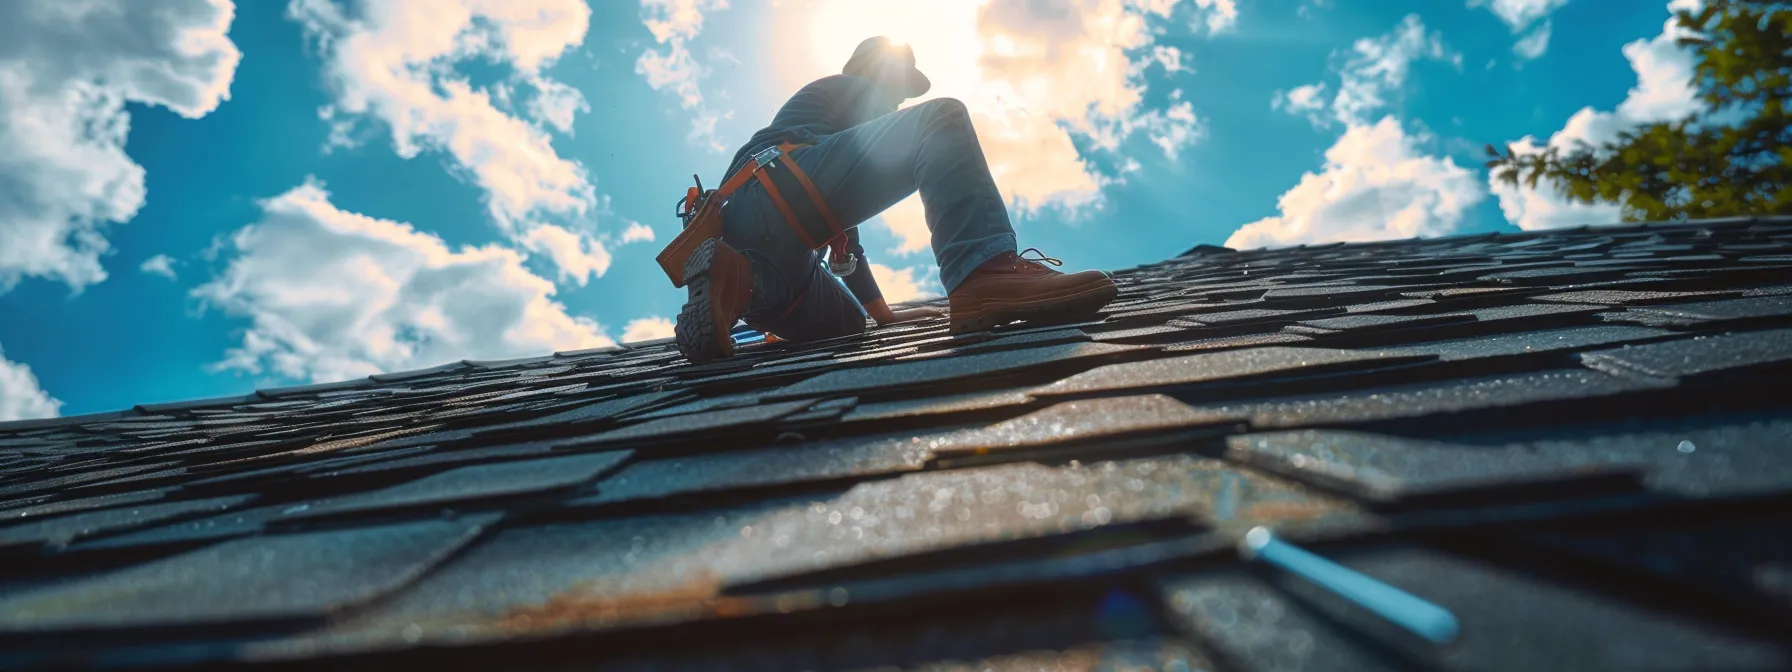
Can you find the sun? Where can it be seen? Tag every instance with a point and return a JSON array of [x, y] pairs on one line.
[[942, 32]]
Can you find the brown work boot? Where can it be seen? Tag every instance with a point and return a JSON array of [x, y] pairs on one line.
[[720, 281], [1009, 288]]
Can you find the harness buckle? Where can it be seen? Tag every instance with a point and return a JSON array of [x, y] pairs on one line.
[[765, 156], [844, 267]]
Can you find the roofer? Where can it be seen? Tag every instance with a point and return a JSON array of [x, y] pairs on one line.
[[836, 154]]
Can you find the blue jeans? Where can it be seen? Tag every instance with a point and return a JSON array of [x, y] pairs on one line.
[[861, 171]]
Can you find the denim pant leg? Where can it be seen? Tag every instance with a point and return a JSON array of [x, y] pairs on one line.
[[825, 309], [793, 295], [932, 148]]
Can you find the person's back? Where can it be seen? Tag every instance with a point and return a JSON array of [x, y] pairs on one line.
[[837, 153], [821, 108]]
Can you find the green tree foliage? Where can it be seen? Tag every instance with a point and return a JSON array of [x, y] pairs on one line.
[[1694, 167]]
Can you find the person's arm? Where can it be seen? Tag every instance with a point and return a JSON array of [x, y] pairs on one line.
[[860, 281], [863, 286]]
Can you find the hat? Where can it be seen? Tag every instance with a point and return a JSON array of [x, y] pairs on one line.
[[878, 52]]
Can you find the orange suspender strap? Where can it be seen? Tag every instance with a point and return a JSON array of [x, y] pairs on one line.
[[784, 207], [739, 178], [747, 172], [821, 204], [705, 222], [836, 244]]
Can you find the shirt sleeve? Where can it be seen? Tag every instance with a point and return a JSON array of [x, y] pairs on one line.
[[860, 282]]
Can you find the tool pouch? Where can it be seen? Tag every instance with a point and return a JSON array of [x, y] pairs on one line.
[[704, 225], [807, 213]]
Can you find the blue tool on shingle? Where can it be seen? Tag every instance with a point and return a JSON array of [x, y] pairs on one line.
[[744, 335], [1434, 623]]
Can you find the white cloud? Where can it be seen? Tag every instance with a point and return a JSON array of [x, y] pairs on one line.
[[394, 62], [1170, 58], [332, 295], [1217, 15], [1376, 184], [1378, 66], [647, 329], [1546, 207], [161, 264], [555, 104], [670, 20], [1663, 92], [1174, 128], [674, 23], [1372, 70], [66, 71], [1519, 13], [675, 69], [637, 232], [1533, 44], [1308, 100], [908, 221], [577, 256], [908, 284], [21, 398], [1037, 77]]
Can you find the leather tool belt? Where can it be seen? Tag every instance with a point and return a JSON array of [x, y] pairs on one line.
[[807, 213]]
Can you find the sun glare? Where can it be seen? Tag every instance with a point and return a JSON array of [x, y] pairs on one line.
[[943, 34]]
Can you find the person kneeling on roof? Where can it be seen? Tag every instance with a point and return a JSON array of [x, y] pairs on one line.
[[836, 154]]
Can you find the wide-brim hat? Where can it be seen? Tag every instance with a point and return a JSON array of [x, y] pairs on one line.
[[884, 52]]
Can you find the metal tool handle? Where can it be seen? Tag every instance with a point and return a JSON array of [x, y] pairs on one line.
[[1434, 623]]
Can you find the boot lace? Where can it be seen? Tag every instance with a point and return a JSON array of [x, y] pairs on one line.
[[1042, 258]]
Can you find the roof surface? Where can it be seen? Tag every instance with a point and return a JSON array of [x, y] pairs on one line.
[[1577, 442]]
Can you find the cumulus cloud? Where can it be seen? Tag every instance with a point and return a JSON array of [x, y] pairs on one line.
[[1039, 77], [1217, 16], [161, 264], [1076, 62], [556, 104], [907, 284], [1369, 72], [1534, 43], [1376, 184], [67, 69], [332, 295], [637, 232], [576, 257], [674, 24], [21, 398], [907, 219], [1663, 92], [394, 62], [1307, 100], [1170, 58], [1172, 128], [647, 329], [1519, 13]]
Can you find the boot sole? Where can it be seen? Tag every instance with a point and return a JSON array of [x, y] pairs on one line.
[[711, 276], [967, 315]]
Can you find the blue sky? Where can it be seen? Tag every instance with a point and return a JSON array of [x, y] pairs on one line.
[[279, 192]]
